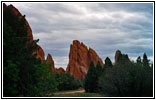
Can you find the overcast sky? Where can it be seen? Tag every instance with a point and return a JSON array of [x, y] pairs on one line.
[[105, 27]]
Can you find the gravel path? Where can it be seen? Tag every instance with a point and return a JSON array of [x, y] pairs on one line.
[[71, 92]]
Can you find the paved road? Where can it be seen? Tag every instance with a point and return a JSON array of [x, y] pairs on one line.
[[71, 92]]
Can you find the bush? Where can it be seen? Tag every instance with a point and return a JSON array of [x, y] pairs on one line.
[[67, 82], [11, 73], [46, 82]]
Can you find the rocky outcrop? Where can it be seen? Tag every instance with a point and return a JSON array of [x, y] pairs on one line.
[[117, 54], [122, 58], [80, 58], [50, 62], [40, 53], [94, 57], [15, 11], [60, 70]]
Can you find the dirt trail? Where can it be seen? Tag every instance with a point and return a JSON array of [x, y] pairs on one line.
[[71, 92]]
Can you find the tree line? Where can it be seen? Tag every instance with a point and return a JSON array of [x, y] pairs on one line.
[[123, 79]]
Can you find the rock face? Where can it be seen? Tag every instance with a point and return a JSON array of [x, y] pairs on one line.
[[60, 70], [50, 62], [94, 57], [117, 54], [80, 58], [16, 12], [13, 10], [40, 53]]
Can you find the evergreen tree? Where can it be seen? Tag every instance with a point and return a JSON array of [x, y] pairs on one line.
[[127, 79], [123, 58], [145, 60], [45, 84], [20, 66], [108, 63], [139, 60], [99, 69], [91, 79], [16, 51], [11, 73]]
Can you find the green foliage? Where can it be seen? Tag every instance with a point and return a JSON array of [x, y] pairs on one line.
[[123, 58], [145, 60], [82, 82], [11, 79], [108, 63], [99, 69], [139, 60], [67, 82], [46, 83], [127, 79], [91, 79], [23, 73]]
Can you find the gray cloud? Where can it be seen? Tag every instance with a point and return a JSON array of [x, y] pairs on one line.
[[105, 27]]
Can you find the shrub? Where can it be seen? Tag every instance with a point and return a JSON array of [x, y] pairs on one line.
[[67, 82]]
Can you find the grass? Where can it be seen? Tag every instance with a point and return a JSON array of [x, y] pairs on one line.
[[79, 95]]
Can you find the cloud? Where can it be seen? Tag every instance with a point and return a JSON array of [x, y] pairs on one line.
[[105, 27]]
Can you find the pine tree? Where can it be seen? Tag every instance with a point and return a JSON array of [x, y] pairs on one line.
[[11, 78], [19, 51], [91, 79], [108, 63], [139, 60], [145, 60], [99, 69], [22, 71]]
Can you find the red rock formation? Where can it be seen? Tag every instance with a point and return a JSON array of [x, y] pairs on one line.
[[13, 10], [50, 62], [16, 12], [4, 6], [80, 58], [94, 57], [40, 53], [60, 70], [122, 58], [118, 52]]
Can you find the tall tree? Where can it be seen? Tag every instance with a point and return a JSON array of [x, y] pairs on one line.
[[17, 54], [21, 69], [127, 79], [91, 79], [108, 63], [139, 60], [145, 60], [99, 69]]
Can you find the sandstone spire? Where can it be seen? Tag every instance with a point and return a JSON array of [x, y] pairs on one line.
[[15, 11], [50, 62], [80, 58], [118, 52]]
